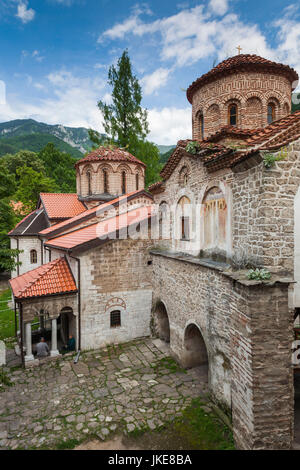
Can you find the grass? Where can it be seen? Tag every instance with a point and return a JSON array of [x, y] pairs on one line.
[[168, 363], [195, 429], [7, 318], [4, 378]]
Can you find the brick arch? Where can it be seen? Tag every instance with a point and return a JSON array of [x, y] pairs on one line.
[[197, 124], [211, 102], [87, 167], [212, 118], [138, 169], [271, 94], [254, 94], [286, 109], [238, 97], [124, 167], [105, 166]]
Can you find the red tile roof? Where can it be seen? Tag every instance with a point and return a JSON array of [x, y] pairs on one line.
[[107, 154], [240, 63], [87, 214], [157, 188], [52, 278], [231, 131], [61, 206], [102, 230]]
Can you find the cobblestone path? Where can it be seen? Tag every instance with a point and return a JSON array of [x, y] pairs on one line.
[[116, 389]]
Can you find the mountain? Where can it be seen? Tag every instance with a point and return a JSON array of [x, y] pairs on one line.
[[165, 148], [35, 143], [76, 137], [33, 135]]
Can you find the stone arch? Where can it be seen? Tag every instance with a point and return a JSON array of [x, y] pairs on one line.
[[164, 221], [183, 217], [184, 174], [254, 112], [161, 322], [215, 220], [67, 324], [195, 352]]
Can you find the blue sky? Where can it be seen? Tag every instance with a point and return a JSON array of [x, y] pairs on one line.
[[55, 54]]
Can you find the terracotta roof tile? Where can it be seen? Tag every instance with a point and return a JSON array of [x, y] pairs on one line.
[[61, 206], [52, 278], [157, 188], [101, 230], [285, 126], [107, 154], [240, 63], [87, 214]]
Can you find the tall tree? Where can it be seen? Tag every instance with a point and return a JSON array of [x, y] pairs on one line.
[[60, 167], [125, 120]]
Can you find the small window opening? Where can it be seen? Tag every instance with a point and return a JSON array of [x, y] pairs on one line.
[[115, 319]]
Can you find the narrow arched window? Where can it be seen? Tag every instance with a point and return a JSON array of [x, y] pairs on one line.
[[184, 205], [115, 319], [105, 181], [232, 115], [137, 181], [33, 257], [201, 126], [123, 182], [271, 113], [89, 182]]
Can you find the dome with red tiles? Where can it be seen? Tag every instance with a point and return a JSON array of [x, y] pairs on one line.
[[239, 63], [103, 154]]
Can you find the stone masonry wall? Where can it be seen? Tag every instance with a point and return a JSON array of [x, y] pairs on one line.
[[248, 332], [251, 92], [116, 277], [27, 244]]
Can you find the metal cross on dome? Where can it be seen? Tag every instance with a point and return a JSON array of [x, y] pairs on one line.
[[239, 49]]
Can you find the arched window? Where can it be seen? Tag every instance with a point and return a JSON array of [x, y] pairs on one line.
[[123, 182], [89, 182], [233, 115], [271, 113], [184, 205], [183, 176], [33, 257], [115, 319], [164, 221], [105, 181], [201, 126], [137, 181]]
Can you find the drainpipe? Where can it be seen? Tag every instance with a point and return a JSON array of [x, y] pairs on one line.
[[79, 299], [21, 332]]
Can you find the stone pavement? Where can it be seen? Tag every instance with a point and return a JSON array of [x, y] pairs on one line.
[[120, 388]]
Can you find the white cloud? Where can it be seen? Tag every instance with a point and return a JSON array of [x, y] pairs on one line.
[[24, 13], [219, 7], [155, 80], [168, 125], [195, 34]]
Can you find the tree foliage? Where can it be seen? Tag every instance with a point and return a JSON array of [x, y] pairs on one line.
[[31, 184], [125, 120], [60, 167]]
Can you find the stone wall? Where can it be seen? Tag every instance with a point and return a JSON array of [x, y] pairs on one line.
[[115, 277], [251, 92], [248, 332]]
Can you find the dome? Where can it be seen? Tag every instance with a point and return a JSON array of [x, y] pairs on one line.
[[109, 154], [107, 173], [241, 63]]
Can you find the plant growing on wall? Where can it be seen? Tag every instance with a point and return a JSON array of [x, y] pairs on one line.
[[193, 148], [270, 158], [259, 274]]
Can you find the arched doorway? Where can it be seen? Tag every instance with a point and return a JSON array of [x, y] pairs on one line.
[[66, 324], [161, 322], [195, 352]]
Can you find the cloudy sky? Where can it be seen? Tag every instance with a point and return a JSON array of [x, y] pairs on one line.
[[55, 54]]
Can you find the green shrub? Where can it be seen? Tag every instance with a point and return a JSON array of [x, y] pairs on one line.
[[193, 148], [259, 274]]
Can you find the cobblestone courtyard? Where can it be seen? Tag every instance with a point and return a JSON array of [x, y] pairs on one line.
[[118, 389]]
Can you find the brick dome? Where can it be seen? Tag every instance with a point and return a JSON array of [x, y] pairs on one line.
[[245, 91], [107, 173]]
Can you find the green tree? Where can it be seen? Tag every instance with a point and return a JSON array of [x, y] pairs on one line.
[[31, 184], [7, 221], [124, 120], [60, 167], [23, 158]]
